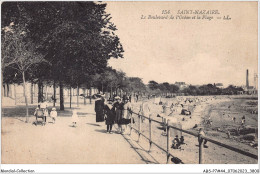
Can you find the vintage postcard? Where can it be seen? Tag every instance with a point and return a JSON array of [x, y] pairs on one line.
[[129, 82]]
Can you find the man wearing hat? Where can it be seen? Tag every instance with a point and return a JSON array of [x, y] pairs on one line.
[[99, 108]]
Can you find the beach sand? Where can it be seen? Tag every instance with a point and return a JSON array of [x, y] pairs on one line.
[[217, 108]]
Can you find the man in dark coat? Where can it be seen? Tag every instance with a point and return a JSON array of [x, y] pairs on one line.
[[99, 109], [109, 111]]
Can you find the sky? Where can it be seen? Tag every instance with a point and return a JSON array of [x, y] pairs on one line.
[[193, 51]]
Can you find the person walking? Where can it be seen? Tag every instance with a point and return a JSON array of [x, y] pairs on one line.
[[126, 118], [74, 117], [109, 116], [118, 106], [99, 109], [53, 114]]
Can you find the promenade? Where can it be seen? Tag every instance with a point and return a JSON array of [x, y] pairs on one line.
[[59, 143]]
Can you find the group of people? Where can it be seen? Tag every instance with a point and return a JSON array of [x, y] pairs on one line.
[[116, 112], [43, 112]]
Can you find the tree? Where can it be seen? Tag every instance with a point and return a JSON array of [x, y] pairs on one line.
[[153, 85], [167, 86], [162, 87], [111, 79], [26, 56], [7, 45], [174, 88], [136, 84], [77, 37], [81, 42]]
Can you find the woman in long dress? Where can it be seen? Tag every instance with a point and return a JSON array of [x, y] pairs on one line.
[[99, 109], [118, 106], [126, 114]]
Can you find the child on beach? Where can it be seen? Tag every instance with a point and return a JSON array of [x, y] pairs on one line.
[[74, 118], [243, 120], [53, 115], [176, 143], [234, 119]]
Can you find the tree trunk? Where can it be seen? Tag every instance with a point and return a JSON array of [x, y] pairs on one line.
[[111, 92], [15, 100], [90, 95], [78, 96], [54, 93], [7, 90], [2, 89], [46, 92], [61, 97], [31, 93], [34, 90], [11, 92], [25, 98], [70, 97], [84, 91], [40, 94]]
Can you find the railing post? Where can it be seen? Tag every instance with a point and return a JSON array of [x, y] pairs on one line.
[[200, 148], [139, 126], [150, 132], [168, 141]]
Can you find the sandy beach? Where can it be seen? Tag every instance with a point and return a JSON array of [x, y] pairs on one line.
[[217, 109]]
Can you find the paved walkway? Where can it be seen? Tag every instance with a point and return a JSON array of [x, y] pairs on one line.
[[60, 143]]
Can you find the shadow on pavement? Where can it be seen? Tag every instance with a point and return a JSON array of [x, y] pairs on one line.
[[101, 130], [136, 150], [93, 124]]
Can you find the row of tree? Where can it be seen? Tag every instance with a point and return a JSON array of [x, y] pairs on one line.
[[60, 43], [209, 89]]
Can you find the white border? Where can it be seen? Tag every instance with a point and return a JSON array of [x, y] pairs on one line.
[[132, 168]]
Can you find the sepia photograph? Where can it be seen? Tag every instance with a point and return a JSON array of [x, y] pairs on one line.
[[129, 82]]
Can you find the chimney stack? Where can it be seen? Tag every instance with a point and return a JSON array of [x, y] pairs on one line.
[[247, 81]]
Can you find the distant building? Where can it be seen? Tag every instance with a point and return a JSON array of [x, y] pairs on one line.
[[181, 85], [250, 89], [219, 85]]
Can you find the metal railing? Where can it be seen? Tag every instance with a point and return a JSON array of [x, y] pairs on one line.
[[201, 138]]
